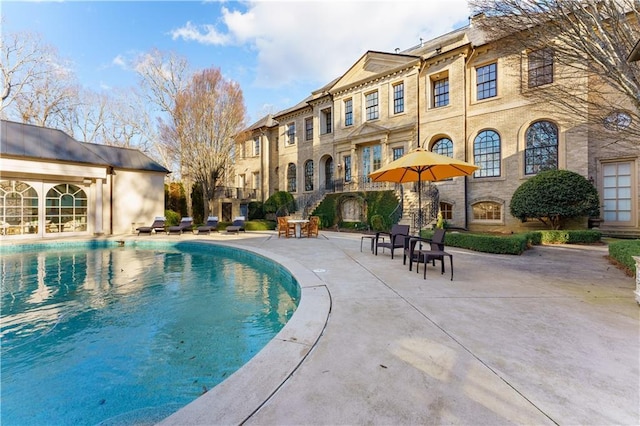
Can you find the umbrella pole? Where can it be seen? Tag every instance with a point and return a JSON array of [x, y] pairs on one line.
[[419, 203]]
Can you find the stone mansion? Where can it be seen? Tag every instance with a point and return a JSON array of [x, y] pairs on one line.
[[454, 95]]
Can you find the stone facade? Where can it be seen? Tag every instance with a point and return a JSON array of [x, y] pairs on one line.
[[456, 95]]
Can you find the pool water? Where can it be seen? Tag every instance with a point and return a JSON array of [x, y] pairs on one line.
[[123, 335]]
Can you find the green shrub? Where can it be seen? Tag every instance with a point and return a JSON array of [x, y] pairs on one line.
[[554, 196], [259, 225], [623, 251], [377, 223], [172, 218], [281, 203], [356, 226], [498, 244], [515, 243], [256, 210], [570, 237], [378, 203]]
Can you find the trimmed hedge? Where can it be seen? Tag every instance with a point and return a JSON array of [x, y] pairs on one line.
[[516, 243], [252, 225], [509, 244], [623, 251], [570, 236]]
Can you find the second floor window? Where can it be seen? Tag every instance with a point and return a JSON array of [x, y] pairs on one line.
[[256, 147], [371, 105], [326, 120], [398, 152], [398, 98], [540, 67], [291, 133], [441, 93], [486, 154], [348, 112], [487, 81], [308, 129]]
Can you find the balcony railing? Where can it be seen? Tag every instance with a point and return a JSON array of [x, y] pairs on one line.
[[235, 193]]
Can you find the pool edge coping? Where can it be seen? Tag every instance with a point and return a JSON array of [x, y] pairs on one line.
[[237, 398]]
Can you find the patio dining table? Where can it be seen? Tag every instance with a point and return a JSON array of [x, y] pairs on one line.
[[298, 223]]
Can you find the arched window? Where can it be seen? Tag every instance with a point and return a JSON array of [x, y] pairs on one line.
[[66, 209], [487, 210], [443, 146], [308, 175], [541, 152], [291, 178], [18, 208], [328, 173], [486, 154]]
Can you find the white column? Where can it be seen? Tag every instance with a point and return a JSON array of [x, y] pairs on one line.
[[98, 229]]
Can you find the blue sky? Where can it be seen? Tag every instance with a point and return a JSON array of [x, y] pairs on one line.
[[278, 51]]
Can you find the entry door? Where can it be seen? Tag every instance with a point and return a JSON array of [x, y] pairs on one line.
[[371, 160]]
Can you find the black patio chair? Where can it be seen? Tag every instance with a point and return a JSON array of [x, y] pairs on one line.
[[393, 239]]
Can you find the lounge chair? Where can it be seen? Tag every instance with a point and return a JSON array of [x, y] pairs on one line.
[[211, 225], [285, 228], [416, 243], [186, 224], [237, 225], [396, 238], [157, 226]]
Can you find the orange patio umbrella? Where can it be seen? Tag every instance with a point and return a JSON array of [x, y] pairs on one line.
[[421, 165]]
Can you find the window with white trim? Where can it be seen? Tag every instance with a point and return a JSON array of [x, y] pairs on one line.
[[371, 106], [398, 98], [348, 112], [487, 81]]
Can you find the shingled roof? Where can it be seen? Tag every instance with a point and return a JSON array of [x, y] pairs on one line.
[[29, 141]]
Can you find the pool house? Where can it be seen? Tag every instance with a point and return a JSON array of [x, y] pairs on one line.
[[52, 184]]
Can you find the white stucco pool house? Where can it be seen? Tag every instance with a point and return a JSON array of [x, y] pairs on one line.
[[51, 183]]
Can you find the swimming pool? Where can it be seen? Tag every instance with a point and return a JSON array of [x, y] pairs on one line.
[[93, 334]]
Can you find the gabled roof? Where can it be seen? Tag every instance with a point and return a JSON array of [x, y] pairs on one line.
[[26, 140], [372, 65], [266, 121], [300, 105]]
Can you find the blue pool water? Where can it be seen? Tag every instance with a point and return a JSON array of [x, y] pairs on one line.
[[122, 335]]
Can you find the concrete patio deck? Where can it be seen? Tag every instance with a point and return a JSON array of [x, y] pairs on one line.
[[548, 337]]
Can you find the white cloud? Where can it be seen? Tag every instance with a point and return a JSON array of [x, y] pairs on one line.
[[317, 41], [120, 61], [205, 34]]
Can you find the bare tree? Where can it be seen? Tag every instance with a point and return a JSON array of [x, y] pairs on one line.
[[589, 42], [207, 116], [163, 75], [22, 56], [38, 86]]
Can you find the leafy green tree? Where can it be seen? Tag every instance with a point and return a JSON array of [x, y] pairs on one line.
[[553, 196], [281, 203]]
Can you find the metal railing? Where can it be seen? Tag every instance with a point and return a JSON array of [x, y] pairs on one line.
[[238, 193]]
